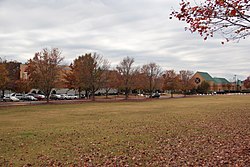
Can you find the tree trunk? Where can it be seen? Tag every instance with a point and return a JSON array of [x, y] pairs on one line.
[[93, 95], [172, 94], [47, 99], [150, 93], [185, 93], [126, 94], [47, 93], [3, 93], [86, 94], [150, 88], [79, 92], [106, 93]]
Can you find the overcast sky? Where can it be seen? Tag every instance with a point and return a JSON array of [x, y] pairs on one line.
[[115, 29]]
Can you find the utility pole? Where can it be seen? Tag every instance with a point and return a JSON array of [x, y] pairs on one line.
[[235, 77]]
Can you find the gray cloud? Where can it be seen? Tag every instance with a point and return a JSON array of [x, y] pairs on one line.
[[115, 29]]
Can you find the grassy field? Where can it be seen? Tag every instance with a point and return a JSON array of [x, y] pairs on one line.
[[198, 131]]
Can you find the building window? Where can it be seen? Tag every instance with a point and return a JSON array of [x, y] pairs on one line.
[[25, 75], [197, 80]]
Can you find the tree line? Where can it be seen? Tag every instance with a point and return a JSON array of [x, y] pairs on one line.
[[90, 72]]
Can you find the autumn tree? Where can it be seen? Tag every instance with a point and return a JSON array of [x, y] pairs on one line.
[[203, 87], [139, 82], [13, 68], [74, 77], [22, 86], [70, 79], [171, 81], [4, 79], [152, 72], [44, 70], [87, 73], [127, 71], [247, 83], [229, 17], [185, 81], [110, 80]]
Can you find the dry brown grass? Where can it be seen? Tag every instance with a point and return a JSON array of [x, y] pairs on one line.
[[201, 131]]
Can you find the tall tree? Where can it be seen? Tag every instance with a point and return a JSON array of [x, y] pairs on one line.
[[230, 17], [74, 78], [70, 79], [127, 71], [13, 68], [87, 72], [152, 72], [4, 79], [139, 82], [185, 81], [171, 81], [110, 81], [44, 70]]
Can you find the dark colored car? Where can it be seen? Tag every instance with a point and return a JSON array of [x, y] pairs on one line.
[[155, 95], [82, 96]]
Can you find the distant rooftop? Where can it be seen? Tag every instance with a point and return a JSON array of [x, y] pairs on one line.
[[221, 81], [216, 80], [206, 76]]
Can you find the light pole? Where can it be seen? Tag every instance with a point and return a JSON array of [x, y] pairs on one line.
[[235, 77]]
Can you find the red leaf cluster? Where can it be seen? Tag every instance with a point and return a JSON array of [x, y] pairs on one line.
[[231, 17]]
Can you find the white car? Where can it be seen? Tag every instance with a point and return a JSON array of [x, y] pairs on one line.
[[73, 96], [10, 98], [18, 95], [29, 97], [55, 96], [68, 97], [63, 96], [39, 96]]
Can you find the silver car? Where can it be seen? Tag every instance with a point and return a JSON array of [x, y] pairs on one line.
[[10, 98], [29, 97]]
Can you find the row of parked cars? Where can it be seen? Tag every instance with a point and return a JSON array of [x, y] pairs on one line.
[[63, 97], [24, 97], [14, 97]]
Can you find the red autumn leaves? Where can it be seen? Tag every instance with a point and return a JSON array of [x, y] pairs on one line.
[[229, 17]]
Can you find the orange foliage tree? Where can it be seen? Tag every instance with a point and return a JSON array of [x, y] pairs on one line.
[[22, 86], [230, 17], [3, 77], [87, 73], [110, 81], [171, 81], [44, 70], [185, 81]]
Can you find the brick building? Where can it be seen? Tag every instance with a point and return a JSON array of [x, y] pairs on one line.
[[216, 84]]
